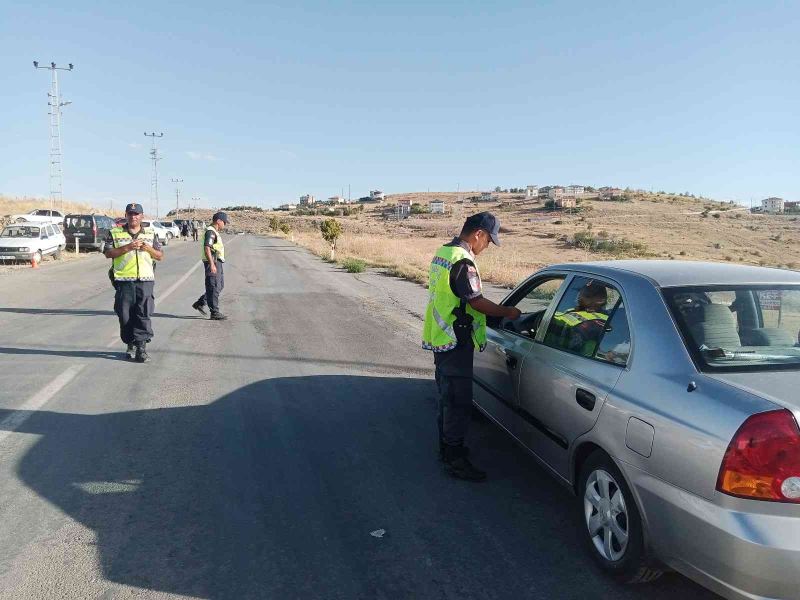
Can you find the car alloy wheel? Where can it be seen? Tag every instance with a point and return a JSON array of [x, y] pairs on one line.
[[606, 515]]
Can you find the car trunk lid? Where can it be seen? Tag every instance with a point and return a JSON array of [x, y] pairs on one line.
[[778, 387]]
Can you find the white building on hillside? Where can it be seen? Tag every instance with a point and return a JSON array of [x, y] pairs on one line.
[[307, 200], [376, 195], [532, 191], [337, 200], [574, 190], [773, 205], [437, 207], [556, 193]]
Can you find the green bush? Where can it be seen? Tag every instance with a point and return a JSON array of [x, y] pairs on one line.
[[593, 243], [354, 265]]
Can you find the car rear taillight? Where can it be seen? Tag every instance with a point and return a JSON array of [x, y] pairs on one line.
[[763, 459]]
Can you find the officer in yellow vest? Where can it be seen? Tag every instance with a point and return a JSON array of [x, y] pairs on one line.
[[455, 325], [134, 250], [579, 329], [213, 255]]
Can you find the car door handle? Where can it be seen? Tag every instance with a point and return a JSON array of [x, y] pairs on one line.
[[586, 399], [511, 361]]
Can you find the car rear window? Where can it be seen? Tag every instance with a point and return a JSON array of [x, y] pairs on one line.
[[79, 222], [739, 328]]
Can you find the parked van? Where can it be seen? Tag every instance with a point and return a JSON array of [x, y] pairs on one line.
[[90, 230]]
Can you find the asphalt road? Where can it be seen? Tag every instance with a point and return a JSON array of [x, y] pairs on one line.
[[289, 452]]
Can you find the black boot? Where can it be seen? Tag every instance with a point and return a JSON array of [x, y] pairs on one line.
[[141, 354], [131, 352], [216, 316], [442, 450], [456, 463], [199, 308]]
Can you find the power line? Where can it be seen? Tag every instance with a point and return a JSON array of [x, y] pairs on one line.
[[55, 104], [154, 177]]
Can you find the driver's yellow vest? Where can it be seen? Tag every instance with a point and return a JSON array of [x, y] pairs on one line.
[[567, 322], [218, 248], [438, 334], [136, 265]]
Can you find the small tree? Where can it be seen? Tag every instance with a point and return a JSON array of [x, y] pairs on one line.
[[274, 223], [331, 230]]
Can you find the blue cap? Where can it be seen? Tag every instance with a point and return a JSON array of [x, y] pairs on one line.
[[221, 216], [486, 221], [134, 208]]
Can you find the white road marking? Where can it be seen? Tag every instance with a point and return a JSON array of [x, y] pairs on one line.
[[35, 402], [174, 286]]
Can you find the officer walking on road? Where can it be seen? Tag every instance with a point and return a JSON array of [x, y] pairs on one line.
[[213, 260], [455, 324], [134, 250]]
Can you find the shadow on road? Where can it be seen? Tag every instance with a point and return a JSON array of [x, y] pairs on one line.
[[82, 312], [273, 491], [107, 354]]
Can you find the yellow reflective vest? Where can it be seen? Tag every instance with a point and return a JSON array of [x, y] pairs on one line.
[[218, 249], [438, 333], [136, 265]]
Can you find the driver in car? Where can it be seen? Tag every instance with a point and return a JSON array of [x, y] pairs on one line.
[[579, 329]]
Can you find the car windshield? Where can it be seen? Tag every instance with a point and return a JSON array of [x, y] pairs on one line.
[[18, 231], [739, 327]]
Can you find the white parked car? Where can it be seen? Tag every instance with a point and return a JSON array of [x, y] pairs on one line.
[[41, 215], [163, 234], [172, 228], [26, 241]]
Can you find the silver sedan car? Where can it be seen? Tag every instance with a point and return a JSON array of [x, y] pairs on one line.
[[666, 395]]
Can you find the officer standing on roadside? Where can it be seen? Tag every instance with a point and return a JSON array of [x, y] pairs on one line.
[[134, 250], [455, 324], [213, 260]]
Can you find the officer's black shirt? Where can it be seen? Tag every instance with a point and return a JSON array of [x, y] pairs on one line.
[[466, 284]]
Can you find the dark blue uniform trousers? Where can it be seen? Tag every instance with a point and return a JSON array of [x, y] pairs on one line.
[[134, 305], [214, 285]]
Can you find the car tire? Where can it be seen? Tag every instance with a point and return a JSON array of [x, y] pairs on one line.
[[608, 512], [37, 256]]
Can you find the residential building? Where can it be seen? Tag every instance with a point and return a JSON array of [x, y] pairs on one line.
[[532, 191], [773, 205], [574, 190], [376, 195], [307, 200], [287, 207], [437, 207], [566, 202], [609, 193], [403, 209], [793, 206], [407, 202], [556, 192], [337, 200]]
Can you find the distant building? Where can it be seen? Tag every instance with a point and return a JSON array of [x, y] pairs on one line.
[[609, 193], [287, 207], [307, 200], [773, 205], [574, 190], [337, 200], [487, 197], [403, 209], [556, 192], [793, 206], [532, 191], [566, 202], [437, 207], [376, 195], [408, 202]]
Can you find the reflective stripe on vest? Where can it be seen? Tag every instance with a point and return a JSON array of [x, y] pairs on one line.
[[438, 333], [218, 248], [136, 265]]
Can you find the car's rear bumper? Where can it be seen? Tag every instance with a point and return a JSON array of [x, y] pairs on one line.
[[740, 555]]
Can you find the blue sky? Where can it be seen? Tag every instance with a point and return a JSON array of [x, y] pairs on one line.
[[261, 102]]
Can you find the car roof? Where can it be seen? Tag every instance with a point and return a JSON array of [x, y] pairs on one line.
[[680, 273]]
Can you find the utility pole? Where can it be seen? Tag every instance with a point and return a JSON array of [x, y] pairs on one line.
[[55, 104], [154, 177], [177, 183]]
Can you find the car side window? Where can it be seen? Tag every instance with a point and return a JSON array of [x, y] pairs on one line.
[[581, 319], [615, 346], [533, 303]]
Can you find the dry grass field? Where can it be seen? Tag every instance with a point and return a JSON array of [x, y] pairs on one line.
[[649, 226]]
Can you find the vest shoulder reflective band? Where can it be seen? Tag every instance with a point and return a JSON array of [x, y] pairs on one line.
[[577, 330], [218, 248], [438, 334], [136, 265]]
